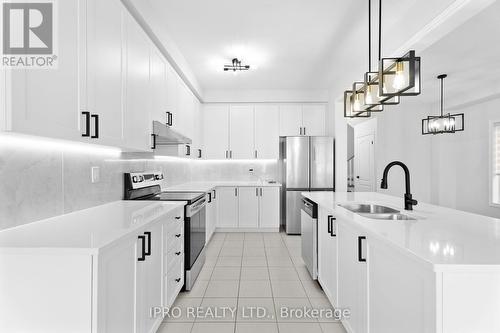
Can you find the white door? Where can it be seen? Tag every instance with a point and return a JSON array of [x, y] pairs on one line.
[[241, 132], [227, 207], [158, 86], [46, 101], [105, 67], [353, 277], [216, 131], [137, 104], [364, 161], [269, 207], [116, 287], [267, 127], [313, 116], [248, 207], [290, 120]]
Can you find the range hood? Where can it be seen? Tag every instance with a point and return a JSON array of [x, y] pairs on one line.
[[164, 135]]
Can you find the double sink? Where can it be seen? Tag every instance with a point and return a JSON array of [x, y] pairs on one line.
[[377, 212]]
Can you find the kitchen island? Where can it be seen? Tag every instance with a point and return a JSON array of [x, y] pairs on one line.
[[438, 271]]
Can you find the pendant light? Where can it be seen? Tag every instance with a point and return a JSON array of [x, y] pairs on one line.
[[444, 123], [395, 77]]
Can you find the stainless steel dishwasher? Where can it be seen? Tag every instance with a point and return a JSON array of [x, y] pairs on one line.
[[309, 230]]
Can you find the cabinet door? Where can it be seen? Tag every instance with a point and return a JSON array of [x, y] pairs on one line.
[[216, 131], [137, 106], [172, 94], [269, 207], [227, 207], [45, 102], [327, 254], [353, 277], [241, 132], [290, 120], [116, 287], [267, 131], [158, 86], [248, 202], [184, 110], [105, 66], [313, 116]]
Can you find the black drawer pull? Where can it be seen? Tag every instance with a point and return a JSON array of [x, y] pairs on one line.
[[96, 126], [87, 124], [178, 235], [329, 224], [177, 217], [177, 253], [143, 248], [153, 141], [333, 231], [360, 249], [178, 280]]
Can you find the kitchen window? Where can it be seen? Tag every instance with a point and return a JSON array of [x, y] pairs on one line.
[[495, 163]]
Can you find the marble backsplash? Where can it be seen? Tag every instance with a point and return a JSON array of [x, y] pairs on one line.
[[38, 184]]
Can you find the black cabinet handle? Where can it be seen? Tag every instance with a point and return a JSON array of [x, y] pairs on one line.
[[332, 229], [96, 126], [87, 124], [209, 197], [153, 141], [178, 280], [188, 150], [177, 217], [178, 235], [360, 249], [230, 154], [199, 153], [226, 154], [235, 191], [169, 118], [143, 248], [215, 196], [330, 224], [305, 131], [256, 192], [177, 253], [256, 154], [148, 235]]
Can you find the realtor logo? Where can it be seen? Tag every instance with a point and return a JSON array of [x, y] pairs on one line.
[[28, 31]]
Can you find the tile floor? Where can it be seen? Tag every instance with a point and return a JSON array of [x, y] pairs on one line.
[[252, 269]]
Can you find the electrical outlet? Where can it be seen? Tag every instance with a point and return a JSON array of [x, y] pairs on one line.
[[95, 174]]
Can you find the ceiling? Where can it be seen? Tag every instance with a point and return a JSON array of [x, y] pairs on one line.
[[311, 45]]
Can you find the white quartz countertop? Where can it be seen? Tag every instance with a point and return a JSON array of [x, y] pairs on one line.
[[208, 186], [88, 229], [440, 236]]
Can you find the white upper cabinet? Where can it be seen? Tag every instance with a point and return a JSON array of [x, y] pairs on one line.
[[290, 120], [307, 119], [137, 104], [159, 103], [241, 129], [267, 124], [105, 67], [313, 119], [172, 93], [216, 131], [45, 102]]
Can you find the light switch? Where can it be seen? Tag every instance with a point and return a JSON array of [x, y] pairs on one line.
[[96, 174]]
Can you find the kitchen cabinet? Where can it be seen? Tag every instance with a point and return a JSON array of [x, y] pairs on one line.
[[328, 254], [313, 119], [248, 207], [241, 132], [103, 96], [269, 203], [267, 124], [45, 102], [211, 215], [137, 119], [353, 276], [172, 94], [216, 131], [173, 259], [307, 119], [159, 86], [227, 207]]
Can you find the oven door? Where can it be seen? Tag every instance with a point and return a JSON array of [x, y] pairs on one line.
[[195, 230]]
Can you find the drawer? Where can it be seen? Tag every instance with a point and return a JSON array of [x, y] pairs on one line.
[[174, 243], [174, 255], [174, 280]]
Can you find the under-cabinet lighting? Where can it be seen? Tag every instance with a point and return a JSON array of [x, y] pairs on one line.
[[34, 143]]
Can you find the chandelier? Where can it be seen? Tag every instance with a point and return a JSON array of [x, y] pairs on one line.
[[236, 66]]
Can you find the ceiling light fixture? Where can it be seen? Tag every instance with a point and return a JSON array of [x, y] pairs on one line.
[[395, 77], [444, 123], [236, 66]]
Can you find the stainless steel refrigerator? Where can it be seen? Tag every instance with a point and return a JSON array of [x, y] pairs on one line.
[[307, 163]]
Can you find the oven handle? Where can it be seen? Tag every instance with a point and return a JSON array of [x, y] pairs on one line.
[[197, 206]]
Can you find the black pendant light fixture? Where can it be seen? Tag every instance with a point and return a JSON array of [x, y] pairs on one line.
[[444, 123], [395, 77], [236, 66]]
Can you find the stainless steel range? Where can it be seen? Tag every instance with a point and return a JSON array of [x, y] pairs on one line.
[[146, 186]]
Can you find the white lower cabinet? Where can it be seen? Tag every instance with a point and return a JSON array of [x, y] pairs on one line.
[[252, 208], [328, 254]]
